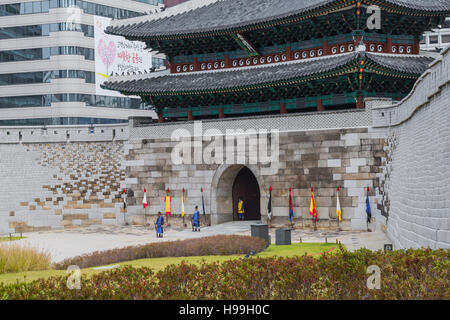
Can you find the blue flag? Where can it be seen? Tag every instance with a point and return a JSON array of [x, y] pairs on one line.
[[203, 205], [368, 211]]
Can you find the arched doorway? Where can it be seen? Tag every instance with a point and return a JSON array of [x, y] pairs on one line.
[[246, 186]]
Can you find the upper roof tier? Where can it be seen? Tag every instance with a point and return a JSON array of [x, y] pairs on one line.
[[205, 16], [251, 78]]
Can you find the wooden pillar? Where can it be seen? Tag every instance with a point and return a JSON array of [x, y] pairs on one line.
[[196, 65], [227, 61], [172, 67], [360, 104], [160, 118], [289, 54], [326, 48], [320, 106], [283, 109], [416, 48], [388, 48], [221, 113], [190, 116]]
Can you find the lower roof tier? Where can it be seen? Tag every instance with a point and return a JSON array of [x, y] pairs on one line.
[[355, 74]]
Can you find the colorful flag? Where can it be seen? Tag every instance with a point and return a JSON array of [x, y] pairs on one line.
[[203, 202], [168, 200], [182, 204], [368, 210], [291, 208], [312, 208], [269, 205], [338, 206], [144, 202]]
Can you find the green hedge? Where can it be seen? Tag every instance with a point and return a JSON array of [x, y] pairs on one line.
[[411, 274], [206, 246]]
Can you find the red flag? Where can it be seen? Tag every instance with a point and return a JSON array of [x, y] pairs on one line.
[[312, 208], [144, 202]]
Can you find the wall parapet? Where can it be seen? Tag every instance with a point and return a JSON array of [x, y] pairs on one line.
[[423, 92], [64, 133], [345, 119]]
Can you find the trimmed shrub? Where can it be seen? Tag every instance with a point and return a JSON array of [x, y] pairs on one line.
[[17, 258], [207, 246], [410, 274]]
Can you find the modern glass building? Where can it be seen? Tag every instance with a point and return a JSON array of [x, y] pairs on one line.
[[47, 62]]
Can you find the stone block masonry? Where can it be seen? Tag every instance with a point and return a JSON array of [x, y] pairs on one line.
[[60, 185], [416, 185], [324, 159]]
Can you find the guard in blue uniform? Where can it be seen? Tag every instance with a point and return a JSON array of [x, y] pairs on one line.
[[159, 226], [196, 220]]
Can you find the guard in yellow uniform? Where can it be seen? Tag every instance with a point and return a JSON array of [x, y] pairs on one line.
[[241, 209]]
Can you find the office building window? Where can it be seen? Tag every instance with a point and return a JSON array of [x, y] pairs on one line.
[[45, 53], [446, 38], [87, 7], [434, 39]]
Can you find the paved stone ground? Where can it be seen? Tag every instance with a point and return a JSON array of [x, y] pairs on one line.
[[64, 244]]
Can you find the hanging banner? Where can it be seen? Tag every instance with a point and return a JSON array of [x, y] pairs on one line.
[[115, 54]]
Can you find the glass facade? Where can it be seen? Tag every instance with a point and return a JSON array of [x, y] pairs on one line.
[[157, 63], [87, 7], [37, 53], [59, 121], [41, 30], [45, 76], [45, 53], [88, 99], [153, 2]]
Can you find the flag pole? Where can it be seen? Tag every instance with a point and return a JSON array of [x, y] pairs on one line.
[[269, 211], [167, 215], [367, 219], [182, 199], [338, 207]]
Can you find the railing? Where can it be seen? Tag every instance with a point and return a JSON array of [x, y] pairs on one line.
[[61, 134]]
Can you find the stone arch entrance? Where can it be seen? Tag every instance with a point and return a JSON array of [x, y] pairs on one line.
[[222, 204], [246, 186]]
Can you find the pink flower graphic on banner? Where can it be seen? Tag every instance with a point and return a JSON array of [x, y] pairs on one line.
[[107, 53]]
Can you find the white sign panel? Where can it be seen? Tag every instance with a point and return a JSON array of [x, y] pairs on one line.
[[114, 54]]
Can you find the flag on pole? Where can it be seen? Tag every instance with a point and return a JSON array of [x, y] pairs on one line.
[[168, 200], [312, 208], [269, 205], [368, 210], [144, 202], [203, 202], [291, 208], [182, 204], [338, 206]]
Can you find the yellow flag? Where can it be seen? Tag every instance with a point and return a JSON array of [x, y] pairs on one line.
[[182, 205], [338, 207]]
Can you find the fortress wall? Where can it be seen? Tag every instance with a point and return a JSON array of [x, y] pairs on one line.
[[416, 193], [348, 158], [60, 185]]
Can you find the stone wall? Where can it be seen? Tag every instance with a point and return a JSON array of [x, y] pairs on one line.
[[416, 190], [60, 185], [72, 133], [324, 159]]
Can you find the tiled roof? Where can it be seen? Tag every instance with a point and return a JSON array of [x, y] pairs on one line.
[[251, 76], [228, 14]]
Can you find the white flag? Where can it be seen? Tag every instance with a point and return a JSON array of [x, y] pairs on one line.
[[144, 202]]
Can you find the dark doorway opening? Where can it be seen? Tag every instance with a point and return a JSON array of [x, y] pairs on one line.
[[246, 186]]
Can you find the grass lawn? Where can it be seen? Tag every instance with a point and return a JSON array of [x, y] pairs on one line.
[[160, 263], [5, 239]]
